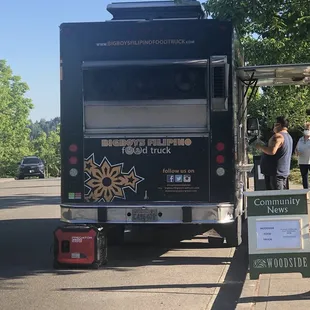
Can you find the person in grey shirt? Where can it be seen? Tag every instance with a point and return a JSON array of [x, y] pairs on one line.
[[276, 156], [303, 153]]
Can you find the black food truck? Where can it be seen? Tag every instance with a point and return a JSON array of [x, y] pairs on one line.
[[153, 120]]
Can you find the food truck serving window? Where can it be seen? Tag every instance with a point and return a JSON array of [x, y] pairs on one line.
[[161, 96], [144, 83]]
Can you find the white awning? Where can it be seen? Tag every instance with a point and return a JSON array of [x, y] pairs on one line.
[[276, 75]]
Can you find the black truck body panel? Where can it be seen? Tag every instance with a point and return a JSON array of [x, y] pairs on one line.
[[142, 173], [145, 40]]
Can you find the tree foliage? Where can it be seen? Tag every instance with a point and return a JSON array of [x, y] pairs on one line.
[[272, 32], [286, 99], [281, 24], [43, 125], [47, 147], [18, 136], [14, 113]]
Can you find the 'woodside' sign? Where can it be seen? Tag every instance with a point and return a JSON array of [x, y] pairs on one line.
[[278, 232]]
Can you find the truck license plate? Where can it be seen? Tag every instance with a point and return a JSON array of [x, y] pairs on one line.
[[144, 215]]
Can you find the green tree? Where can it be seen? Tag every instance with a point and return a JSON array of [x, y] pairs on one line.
[[47, 147], [272, 32], [39, 145], [52, 156], [43, 125], [14, 113], [288, 101]]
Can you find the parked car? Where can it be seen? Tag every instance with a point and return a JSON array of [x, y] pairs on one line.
[[31, 166]]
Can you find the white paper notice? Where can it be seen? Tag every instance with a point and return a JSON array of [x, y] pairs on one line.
[[283, 234]]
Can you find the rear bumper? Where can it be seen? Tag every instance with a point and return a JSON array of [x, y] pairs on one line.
[[27, 173], [35, 174], [172, 213]]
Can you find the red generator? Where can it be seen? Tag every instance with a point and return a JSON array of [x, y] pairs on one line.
[[80, 246]]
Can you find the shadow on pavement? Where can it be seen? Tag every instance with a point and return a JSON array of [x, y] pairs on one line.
[[27, 250], [142, 251], [138, 288], [19, 201], [26, 247], [32, 187], [229, 291]]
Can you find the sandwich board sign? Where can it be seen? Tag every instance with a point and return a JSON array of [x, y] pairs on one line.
[[278, 232]]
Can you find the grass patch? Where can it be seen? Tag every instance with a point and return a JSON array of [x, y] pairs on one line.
[[295, 176], [250, 157]]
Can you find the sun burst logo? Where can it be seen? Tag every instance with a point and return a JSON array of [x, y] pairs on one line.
[[105, 181]]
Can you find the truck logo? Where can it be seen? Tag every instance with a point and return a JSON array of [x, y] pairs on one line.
[[170, 178], [178, 178], [187, 178], [105, 182]]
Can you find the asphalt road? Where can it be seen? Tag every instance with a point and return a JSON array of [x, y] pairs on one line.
[[159, 272]]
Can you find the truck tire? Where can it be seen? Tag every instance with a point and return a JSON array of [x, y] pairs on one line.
[[233, 232], [116, 235], [95, 265], [56, 265]]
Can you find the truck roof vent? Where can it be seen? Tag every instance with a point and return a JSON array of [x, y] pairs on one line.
[[148, 10]]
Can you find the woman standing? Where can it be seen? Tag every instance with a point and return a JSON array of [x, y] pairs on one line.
[[303, 153]]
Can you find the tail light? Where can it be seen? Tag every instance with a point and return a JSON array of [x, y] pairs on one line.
[[73, 160], [73, 148], [220, 146], [220, 159]]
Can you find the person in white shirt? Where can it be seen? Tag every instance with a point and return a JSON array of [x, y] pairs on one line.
[[303, 153]]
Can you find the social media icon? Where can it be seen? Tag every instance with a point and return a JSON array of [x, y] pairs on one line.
[[170, 178], [187, 178], [179, 178]]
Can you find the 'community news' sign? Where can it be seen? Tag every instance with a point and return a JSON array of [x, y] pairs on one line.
[[278, 232]]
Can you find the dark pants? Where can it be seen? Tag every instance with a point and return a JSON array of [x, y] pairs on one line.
[[304, 170], [276, 182]]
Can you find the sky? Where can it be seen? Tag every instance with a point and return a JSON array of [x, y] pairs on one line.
[[29, 42]]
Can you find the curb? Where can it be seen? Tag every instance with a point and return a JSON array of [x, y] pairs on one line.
[[4, 180]]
